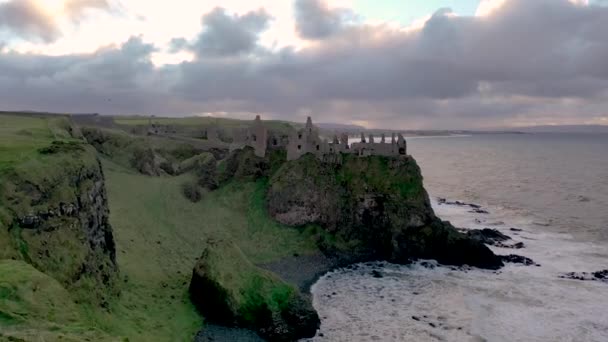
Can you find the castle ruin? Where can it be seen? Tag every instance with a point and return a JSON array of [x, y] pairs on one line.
[[308, 140]]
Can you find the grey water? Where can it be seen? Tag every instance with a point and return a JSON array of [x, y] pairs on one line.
[[560, 178], [554, 187]]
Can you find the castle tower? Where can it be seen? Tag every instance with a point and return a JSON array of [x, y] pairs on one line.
[[309, 125], [344, 139], [304, 141], [258, 136], [401, 144]]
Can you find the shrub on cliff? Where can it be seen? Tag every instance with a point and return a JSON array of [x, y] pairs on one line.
[[192, 191]]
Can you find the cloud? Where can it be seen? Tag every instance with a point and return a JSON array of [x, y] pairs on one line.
[[75, 9], [315, 20], [227, 35], [25, 19], [32, 20], [526, 62]]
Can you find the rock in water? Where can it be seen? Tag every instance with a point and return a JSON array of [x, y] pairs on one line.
[[597, 276], [518, 259], [487, 236]]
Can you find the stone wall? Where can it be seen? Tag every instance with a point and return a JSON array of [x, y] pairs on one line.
[[307, 140]]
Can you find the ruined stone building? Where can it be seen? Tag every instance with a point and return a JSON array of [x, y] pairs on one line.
[[256, 137], [308, 140]]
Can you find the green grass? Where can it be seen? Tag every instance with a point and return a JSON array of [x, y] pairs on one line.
[[21, 136], [35, 307]]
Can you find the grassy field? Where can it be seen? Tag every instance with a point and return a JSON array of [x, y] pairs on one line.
[[203, 121], [21, 136]]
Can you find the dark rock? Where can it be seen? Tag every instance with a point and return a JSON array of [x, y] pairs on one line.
[[30, 221], [518, 245], [590, 276], [601, 274], [479, 211], [518, 259], [516, 230], [415, 318], [458, 203], [428, 265], [487, 236], [376, 274]]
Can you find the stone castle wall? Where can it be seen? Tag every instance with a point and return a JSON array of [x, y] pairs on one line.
[[308, 140]]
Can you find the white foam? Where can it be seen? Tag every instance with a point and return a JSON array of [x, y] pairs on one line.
[[517, 303]]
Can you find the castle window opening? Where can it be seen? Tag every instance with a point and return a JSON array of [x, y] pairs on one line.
[[254, 137], [274, 142], [299, 147], [318, 147], [401, 150], [299, 136]]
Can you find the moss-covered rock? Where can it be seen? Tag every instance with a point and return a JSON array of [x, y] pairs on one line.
[[376, 204], [231, 291]]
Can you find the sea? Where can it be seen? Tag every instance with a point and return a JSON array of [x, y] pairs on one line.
[[549, 191]]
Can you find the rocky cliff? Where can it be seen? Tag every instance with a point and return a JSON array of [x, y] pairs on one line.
[[54, 215], [376, 206]]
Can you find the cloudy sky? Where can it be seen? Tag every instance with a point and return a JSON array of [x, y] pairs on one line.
[[390, 63]]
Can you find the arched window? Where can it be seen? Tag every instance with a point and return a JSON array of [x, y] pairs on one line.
[[299, 147]]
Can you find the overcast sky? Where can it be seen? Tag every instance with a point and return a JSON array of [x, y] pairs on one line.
[[425, 64]]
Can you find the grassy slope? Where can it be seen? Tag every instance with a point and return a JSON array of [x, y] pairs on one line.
[[158, 234]]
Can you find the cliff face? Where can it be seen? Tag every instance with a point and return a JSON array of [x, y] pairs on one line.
[[55, 217], [376, 206]]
